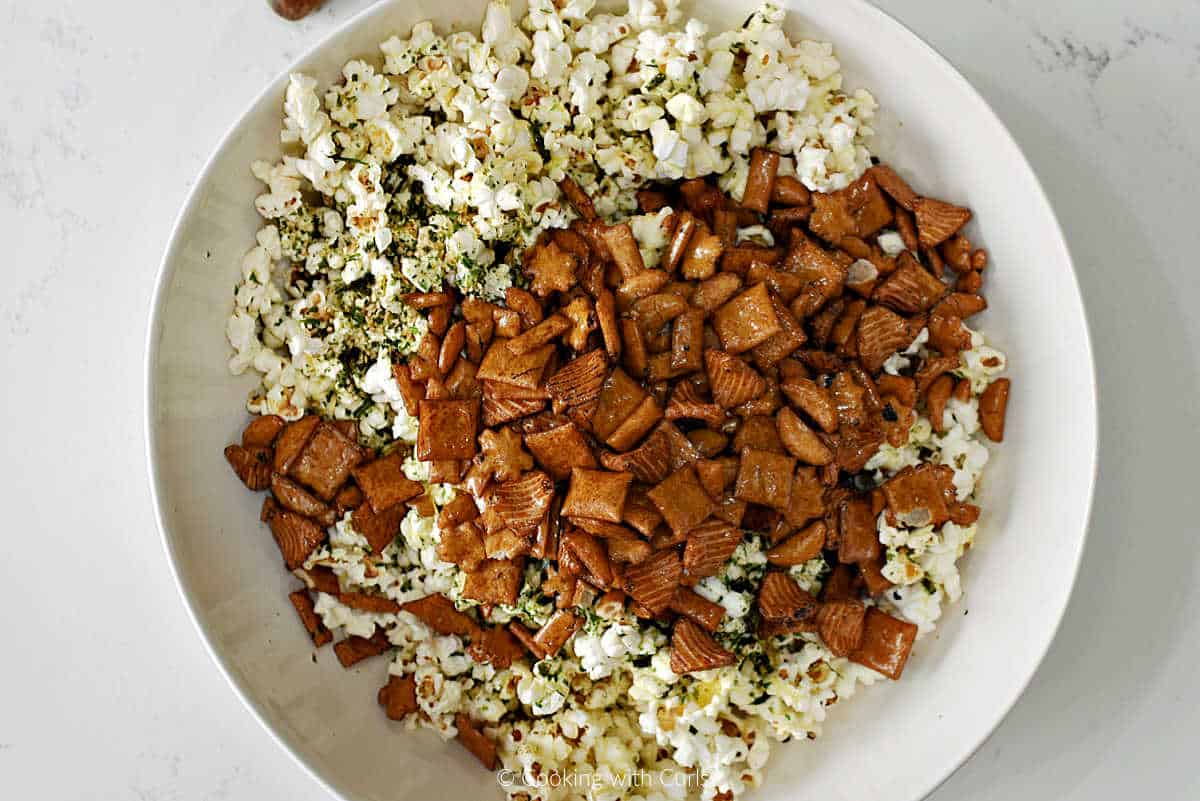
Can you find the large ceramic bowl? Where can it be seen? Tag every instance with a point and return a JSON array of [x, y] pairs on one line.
[[893, 741]]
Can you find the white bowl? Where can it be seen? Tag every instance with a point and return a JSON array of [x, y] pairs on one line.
[[892, 741]]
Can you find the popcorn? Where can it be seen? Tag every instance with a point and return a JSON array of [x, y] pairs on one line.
[[303, 119], [891, 243], [687, 109], [551, 57], [650, 232], [510, 84], [670, 150]]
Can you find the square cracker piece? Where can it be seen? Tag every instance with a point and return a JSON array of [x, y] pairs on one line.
[[747, 321], [765, 478], [681, 500], [384, 483], [598, 494], [560, 449], [326, 460], [448, 430], [495, 582]]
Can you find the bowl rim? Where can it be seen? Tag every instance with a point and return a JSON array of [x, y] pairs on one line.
[[166, 272]]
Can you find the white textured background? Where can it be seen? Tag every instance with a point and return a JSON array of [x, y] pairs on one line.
[[107, 112]]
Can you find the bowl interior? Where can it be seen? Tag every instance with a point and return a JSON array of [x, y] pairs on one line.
[[960, 682]]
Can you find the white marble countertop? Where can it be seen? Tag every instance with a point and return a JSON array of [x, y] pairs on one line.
[[108, 110]]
